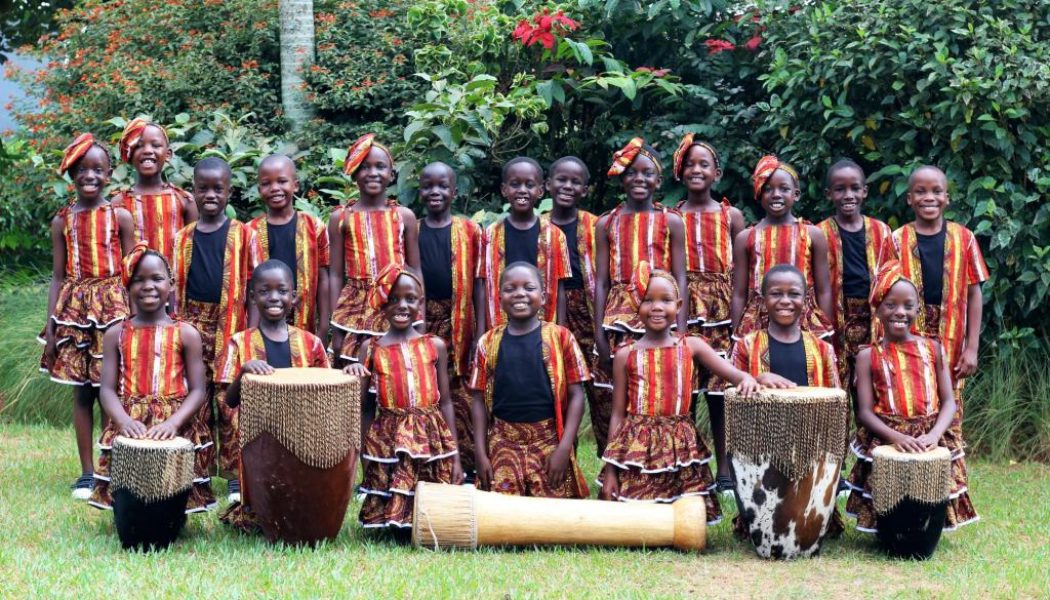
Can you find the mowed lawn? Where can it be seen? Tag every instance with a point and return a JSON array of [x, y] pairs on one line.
[[53, 546]]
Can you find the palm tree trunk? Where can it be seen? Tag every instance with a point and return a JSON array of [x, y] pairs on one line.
[[297, 51]]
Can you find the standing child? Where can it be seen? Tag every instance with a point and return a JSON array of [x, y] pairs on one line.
[[656, 453], [636, 230], [710, 227], [904, 393], [411, 440], [274, 344], [779, 238], [528, 397], [449, 251], [88, 239], [297, 239], [158, 209], [523, 237], [153, 378], [367, 235], [945, 263], [214, 258]]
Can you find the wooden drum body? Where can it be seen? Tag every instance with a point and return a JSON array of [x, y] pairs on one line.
[[453, 516], [300, 430], [785, 451], [150, 482], [910, 492]]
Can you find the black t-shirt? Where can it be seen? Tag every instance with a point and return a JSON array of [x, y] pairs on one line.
[[435, 259], [575, 281], [856, 282], [931, 256], [282, 243], [522, 391], [204, 282], [788, 360], [521, 244], [278, 354]]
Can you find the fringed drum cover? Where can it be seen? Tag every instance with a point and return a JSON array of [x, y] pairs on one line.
[[152, 470], [444, 517], [924, 477]]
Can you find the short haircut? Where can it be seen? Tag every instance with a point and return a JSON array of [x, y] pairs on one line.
[[571, 159], [844, 163], [520, 264], [213, 163], [517, 160], [911, 177], [272, 265], [279, 158], [783, 268], [438, 163]]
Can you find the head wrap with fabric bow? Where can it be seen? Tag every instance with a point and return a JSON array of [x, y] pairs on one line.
[[641, 276], [384, 283], [132, 135], [623, 157], [76, 150], [359, 150], [688, 141], [889, 275], [132, 259], [767, 165]]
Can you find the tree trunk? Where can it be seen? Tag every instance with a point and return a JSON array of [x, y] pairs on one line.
[[297, 51]]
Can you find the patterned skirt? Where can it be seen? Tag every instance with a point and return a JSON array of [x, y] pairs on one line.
[[855, 335], [353, 315], [933, 331], [960, 508], [85, 309], [518, 453], [439, 323], [402, 448], [661, 459], [580, 320], [755, 317], [620, 313], [150, 411], [600, 390], [709, 295], [205, 317]]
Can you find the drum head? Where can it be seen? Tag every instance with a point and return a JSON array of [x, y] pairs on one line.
[[177, 443]]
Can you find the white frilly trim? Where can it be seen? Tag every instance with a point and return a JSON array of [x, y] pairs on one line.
[[390, 523], [678, 465], [389, 461]]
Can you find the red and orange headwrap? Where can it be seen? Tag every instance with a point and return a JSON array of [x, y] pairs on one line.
[[357, 152], [383, 285], [132, 135], [767, 165], [890, 273], [641, 276], [75, 151], [688, 141], [132, 259], [623, 157]]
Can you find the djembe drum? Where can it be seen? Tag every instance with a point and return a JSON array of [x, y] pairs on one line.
[[300, 430], [456, 516], [150, 482], [910, 492], [785, 450]]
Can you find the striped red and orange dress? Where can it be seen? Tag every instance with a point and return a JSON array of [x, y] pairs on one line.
[[157, 217], [409, 441], [311, 255], [658, 453], [633, 237], [771, 245], [91, 298], [709, 268], [152, 387], [904, 378]]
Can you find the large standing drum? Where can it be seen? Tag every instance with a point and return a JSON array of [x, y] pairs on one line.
[[150, 482], [785, 450], [456, 516], [910, 492], [300, 431]]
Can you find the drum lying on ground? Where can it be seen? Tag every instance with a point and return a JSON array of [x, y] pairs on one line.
[[150, 482], [910, 492]]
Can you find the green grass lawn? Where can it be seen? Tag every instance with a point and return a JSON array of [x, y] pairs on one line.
[[53, 546]]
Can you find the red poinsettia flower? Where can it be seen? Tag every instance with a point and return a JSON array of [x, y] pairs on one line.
[[522, 31], [543, 28], [752, 44], [716, 46]]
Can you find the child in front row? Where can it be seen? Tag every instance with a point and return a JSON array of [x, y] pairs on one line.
[[655, 453], [411, 439], [528, 397], [904, 393]]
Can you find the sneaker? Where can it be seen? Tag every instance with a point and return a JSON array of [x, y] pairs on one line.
[[724, 486], [233, 489], [84, 485], [844, 488]]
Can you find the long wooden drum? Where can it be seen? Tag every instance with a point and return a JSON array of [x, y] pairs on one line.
[[456, 516], [150, 481], [785, 450], [910, 492], [300, 430]]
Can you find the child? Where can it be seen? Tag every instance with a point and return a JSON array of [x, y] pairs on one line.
[[523, 237], [274, 344], [857, 247], [214, 259], [412, 439], [656, 453], [88, 239], [158, 209], [153, 378], [904, 393], [945, 263], [710, 227], [368, 235], [528, 397], [636, 230], [449, 251], [568, 186], [779, 238], [297, 239]]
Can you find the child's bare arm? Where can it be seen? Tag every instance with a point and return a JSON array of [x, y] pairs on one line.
[[821, 271], [324, 307], [336, 268], [127, 230], [736, 222], [741, 271], [562, 311], [189, 210], [706, 356], [58, 277], [974, 311], [411, 229], [601, 292], [677, 230], [480, 416]]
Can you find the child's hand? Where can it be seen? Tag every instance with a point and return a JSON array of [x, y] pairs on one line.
[[610, 484], [773, 380], [133, 429], [457, 470], [356, 369], [601, 346], [748, 386], [165, 430], [967, 364], [928, 441], [257, 367], [557, 464], [483, 469], [906, 443]]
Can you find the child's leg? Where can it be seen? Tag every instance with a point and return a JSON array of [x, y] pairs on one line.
[[83, 423]]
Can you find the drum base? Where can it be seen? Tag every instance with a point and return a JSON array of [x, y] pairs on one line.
[[912, 529], [148, 526], [294, 502]]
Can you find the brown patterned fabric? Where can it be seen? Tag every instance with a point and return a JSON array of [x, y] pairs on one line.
[[439, 323], [580, 322], [849, 342], [600, 401], [220, 418], [933, 331], [85, 309], [519, 452]]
